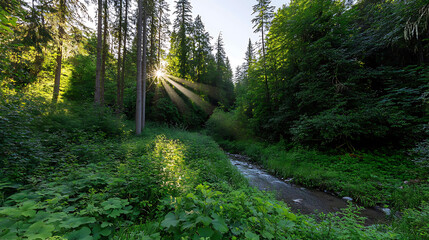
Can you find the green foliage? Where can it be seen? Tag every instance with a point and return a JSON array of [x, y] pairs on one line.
[[250, 214], [370, 179], [339, 75], [225, 125], [414, 222], [212, 214]]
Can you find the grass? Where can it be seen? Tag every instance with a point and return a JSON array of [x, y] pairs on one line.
[[74, 172], [370, 179]]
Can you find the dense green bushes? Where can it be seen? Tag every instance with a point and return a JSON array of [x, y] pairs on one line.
[[249, 214], [86, 177], [340, 75], [225, 125]]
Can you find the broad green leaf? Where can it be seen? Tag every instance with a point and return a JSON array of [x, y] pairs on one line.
[[39, 230], [106, 232], [219, 224], [11, 212], [56, 217], [205, 232], [74, 222], [9, 236], [82, 234], [27, 208], [5, 223], [204, 219], [114, 203], [106, 224], [267, 235], [170, 220], [251, 236]]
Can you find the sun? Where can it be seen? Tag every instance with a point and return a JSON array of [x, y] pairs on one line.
[[159, 73]]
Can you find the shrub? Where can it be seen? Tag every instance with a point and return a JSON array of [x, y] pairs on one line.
[[224, 125]]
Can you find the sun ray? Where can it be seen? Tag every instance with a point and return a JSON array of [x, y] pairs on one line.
[[192, 96], [174, 96], [207, 89]]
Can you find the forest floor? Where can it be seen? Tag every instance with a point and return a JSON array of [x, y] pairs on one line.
[[72, 173]]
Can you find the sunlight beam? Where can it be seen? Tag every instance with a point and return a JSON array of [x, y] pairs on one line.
[[174, 97], [207, 89], [192, 96]]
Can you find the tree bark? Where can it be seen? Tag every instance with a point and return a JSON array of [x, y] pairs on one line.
[[118, 75], [139, 69], [59, 59], [97, 98], [104, 57], [121, 102], [144, 71], [159, 33]]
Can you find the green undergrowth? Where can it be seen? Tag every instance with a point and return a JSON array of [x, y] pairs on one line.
[[78, 172], [370, 179]]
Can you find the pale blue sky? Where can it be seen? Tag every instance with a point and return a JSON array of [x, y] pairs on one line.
[[232, 18]]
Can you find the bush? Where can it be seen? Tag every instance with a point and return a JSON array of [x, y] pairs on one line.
[[224, 125]]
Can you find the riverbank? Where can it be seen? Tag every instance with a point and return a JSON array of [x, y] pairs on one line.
[[371, 180], [298, 198], [77, 172]]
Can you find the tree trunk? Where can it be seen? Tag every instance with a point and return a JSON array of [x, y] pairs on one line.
[[121, 102], [159, 33], [59, 60], [118, 75], [144, 71], [139, 69], [97, 98], [104, 57], [58, 72]]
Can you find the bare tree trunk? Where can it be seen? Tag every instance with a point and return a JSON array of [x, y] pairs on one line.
[[97, 98], [139, 69], [58, 72], [159, 33], [121, 99], [104, 57], [118, 75], [144, 72], [59, 59]]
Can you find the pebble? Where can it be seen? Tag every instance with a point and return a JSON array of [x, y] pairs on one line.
[[348, 198], [386, 211]]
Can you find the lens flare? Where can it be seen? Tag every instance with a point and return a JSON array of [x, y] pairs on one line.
[[159, 73]]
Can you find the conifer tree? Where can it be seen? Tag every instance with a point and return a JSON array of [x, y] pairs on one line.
[[264, 13], [201, 51], [180, 42]]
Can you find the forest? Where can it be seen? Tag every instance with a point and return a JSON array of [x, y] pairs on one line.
[[124, 119]]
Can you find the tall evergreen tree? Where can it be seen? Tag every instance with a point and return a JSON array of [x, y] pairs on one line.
[[220, 56], [249, 56], [264, 13], [201, 51], [180, 42], [163, 26]]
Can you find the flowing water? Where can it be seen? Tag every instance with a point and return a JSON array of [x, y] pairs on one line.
[[306, 201]]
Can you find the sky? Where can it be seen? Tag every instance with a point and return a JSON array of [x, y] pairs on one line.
[[232, 18]]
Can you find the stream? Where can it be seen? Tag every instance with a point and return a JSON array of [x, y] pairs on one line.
[[299, 199]]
